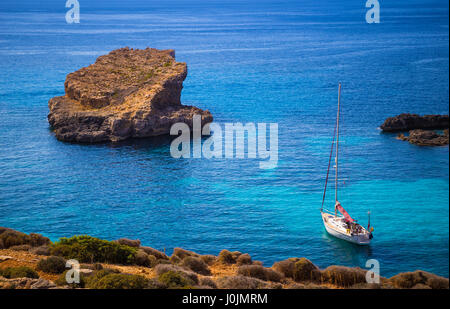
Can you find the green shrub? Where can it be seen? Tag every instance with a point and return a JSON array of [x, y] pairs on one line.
[[19, 272], [119, 281], [62, 281], [52, 265], [87, 249], [175, 280], [197, 265], [97, 275]]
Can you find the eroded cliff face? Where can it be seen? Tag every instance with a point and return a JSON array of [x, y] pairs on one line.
[[126, 93]]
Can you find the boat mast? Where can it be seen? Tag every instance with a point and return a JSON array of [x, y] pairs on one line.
[[337, 151]]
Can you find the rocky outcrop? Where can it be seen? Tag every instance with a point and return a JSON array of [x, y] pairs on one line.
[[26, 283], [406, 122], [128, 93], [420, 128], [425, 138]]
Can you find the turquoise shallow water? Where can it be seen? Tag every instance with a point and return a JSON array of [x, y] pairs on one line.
[[248, 62]]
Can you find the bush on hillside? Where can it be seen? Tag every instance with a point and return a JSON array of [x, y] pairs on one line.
[[62, 281], [207, 281], [87, 249], [259, 272], [175, 280], [36, 240], [244, 259], [197, 265], [156, 253], [411, 279], [344, 276], [142, 258], [182, 253], [10, 238], [226, 257], [118, 281], [209, 259], [155, 261], [163, 268], [52, 265], [286, 267], [240, 282], [174, 259], [305, 270], [129, 242], [19, 272]]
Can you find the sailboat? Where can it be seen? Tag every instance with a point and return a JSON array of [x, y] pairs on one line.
[[342, 225]]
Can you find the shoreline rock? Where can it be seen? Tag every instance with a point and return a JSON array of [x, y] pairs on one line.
[[421, 129], [407, 122], [128, 93]]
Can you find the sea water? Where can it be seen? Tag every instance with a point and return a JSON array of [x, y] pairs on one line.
[[260, 61]]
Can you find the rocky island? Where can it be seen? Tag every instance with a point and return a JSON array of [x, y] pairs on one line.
[[32, 261], [421, 129], [128, 93]]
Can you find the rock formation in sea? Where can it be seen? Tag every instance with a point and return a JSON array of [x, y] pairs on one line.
[[128, 93], [421, 128], [425, 137], [406, 122]]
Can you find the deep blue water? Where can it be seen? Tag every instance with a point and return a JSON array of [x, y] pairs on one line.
[[248, 62]]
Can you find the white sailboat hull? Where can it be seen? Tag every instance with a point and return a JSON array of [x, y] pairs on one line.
[[337, 231]]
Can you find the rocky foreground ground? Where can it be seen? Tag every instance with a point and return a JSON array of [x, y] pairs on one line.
[[34, 262], [128, 93], [419, 130]]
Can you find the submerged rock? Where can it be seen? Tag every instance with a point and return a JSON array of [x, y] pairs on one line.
[[406, 122], [425, 138], [126, 93]]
